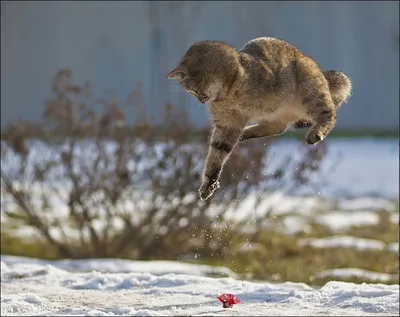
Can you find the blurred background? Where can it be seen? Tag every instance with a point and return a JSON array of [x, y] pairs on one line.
[[102, 156]]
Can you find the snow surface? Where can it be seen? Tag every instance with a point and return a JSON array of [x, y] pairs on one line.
[[34, 287], [366, 167]]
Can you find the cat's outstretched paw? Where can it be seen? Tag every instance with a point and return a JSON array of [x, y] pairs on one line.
[[207, 188]]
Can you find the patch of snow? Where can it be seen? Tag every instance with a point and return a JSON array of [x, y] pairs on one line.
[[367, 167], [362, 167], [366, 203], [394, 246], [347, 273], [338, 220], [145, 294], [295, 224], [343, 242], [258, 206], [394, 217]]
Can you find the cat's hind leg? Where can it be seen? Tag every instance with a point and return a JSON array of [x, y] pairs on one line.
[[316, 99]]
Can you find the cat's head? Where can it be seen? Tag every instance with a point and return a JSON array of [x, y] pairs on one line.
[[207, 70]]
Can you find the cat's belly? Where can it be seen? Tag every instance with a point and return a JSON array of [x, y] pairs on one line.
[[286, 112]]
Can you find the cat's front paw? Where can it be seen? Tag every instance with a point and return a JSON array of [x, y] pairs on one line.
[[314, 137], [207, 188]]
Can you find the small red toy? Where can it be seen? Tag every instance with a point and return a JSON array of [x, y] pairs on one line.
[[228, 300]]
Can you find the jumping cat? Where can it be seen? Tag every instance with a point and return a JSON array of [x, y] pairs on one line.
[[268, 82]]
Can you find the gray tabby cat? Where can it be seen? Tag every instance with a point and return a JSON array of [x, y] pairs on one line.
[[269, 82]]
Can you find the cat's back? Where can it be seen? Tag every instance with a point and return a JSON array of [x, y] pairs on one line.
[[270, 65], [273, 51]]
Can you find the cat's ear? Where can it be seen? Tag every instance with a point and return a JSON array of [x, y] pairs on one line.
[[178, 72]]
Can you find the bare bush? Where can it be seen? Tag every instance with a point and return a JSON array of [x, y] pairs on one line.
[[91, 184]]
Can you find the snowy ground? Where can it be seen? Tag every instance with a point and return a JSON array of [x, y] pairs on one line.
[[367, 169], [34, 287]]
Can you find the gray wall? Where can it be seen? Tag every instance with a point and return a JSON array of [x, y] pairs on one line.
[[113, 44]]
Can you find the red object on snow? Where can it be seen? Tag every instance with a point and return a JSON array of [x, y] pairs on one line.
[[228, 300]]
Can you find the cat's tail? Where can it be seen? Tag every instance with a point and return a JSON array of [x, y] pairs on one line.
[[339, 86]]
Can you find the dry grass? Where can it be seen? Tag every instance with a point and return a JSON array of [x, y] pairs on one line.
[[278, 257]]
